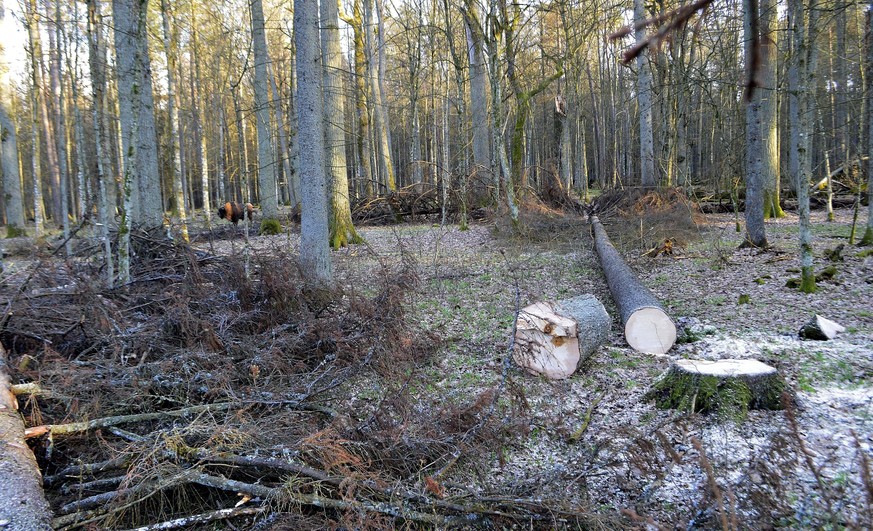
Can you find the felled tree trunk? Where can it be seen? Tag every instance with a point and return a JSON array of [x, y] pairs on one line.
[[22, 502], [554, 338], [726, 387], [647, 327]]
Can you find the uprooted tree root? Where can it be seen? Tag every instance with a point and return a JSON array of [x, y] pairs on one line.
[[198, 386]]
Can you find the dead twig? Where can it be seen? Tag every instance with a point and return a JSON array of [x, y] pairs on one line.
[[713, 484]]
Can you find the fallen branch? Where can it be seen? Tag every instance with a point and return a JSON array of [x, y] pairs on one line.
[[105, 422], [202, 518], [396, 511], [77, 471]]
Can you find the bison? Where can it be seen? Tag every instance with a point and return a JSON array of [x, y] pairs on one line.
[[234, 212]]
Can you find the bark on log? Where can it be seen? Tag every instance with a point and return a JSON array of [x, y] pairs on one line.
[[554, 338], [820, 328], [22, 501], [647, 327], [727, 387]]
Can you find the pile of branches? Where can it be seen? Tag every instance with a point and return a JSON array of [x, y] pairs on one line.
[[649, 217], [205, 384], [416, 202]]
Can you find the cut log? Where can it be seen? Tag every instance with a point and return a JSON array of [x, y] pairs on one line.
[[647, 327], [820, 328], [22, 501], [552, 339], [726, 387]]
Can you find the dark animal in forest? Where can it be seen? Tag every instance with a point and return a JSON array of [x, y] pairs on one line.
[[235, 212]]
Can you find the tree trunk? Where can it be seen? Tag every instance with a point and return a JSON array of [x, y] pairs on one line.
[[503, 175], [356, 21], [644, 91], [478, 100], [795, 10], [380, 121], [554, 339], [200, 104], [243, 154], [769, 109], [868, 95], [284, 154], [135, 79], [647, 327], [98, 91], [60, 125], [175, 124], [266, 163], [314, 250], [35, 106], [22, 501], [341, 230], [755, 141], [83, 196], [12, 199], [804, 36]]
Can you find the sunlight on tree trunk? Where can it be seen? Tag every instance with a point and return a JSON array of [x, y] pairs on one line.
[[341, 230]]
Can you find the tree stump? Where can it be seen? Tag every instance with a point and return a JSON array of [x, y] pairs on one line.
[[554, 338], [820, 328], [647, 327], [726, 387]]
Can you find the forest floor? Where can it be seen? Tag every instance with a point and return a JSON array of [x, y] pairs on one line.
[[403, 393]]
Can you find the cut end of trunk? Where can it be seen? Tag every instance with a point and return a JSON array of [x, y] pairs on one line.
[[552, 339], [650, 330]]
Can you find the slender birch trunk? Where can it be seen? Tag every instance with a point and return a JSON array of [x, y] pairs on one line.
[[242, 148], [356, 21]]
